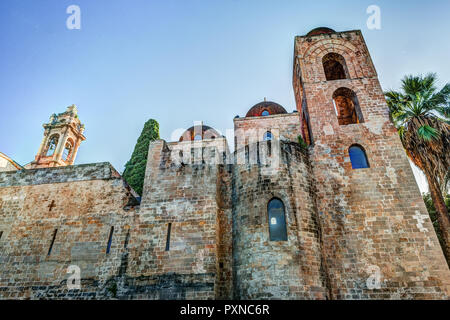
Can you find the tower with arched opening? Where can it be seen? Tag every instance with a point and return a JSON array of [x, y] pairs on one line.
[[341, 218], [63, 135], [362, 175]]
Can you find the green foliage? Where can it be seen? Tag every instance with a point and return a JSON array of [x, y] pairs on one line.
[[112, 289], [433, 214], [428, 133], [421, 112], [302, 143], [134, 172]]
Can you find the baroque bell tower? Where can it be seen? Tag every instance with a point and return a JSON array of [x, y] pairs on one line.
[[62, 137]]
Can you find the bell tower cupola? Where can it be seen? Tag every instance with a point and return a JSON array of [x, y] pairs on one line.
[[62, 137]]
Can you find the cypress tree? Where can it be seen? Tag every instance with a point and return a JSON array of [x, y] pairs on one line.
[[134, 172]]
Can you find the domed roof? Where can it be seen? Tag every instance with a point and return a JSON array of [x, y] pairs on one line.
[[321, 30], [269, 106], [207, 133]]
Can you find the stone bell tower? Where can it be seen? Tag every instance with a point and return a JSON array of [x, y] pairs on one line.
[[62, 137], [373, 220]]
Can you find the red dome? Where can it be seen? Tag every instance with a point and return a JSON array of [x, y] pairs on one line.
[[207, 133], [265, 108], [321, 30]]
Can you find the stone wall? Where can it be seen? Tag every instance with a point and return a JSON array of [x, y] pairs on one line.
[[374, 220], [345, 227], [191, 196], [248, 131], [265, 269], [81, 203]]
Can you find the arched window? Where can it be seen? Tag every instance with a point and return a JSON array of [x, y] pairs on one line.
[[265, 113], [67, 150], [358, 157], [268, 136], [335, 67], [277, 220], [51, 147], [347, 107]]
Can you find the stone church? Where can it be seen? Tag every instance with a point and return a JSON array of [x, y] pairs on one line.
[[320, 203]]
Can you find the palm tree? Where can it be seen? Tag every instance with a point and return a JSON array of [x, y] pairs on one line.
[[421, 114]]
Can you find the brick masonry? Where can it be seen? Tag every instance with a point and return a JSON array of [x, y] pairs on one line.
[[276, 270], [370, 217], [344, 226]]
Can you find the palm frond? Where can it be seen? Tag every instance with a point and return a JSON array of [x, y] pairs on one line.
[[401, 132], [429, 82], [428, 133], [421, 114], [413, 84], [443, 113]]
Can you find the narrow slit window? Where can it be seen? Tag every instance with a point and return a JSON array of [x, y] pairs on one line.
[[108, 248], [306, 131], [169, 229], [53, 241], [1, 234], [127, 239], [247, 154]]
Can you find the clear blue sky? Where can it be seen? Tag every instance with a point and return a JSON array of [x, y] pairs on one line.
[[182, 61]]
